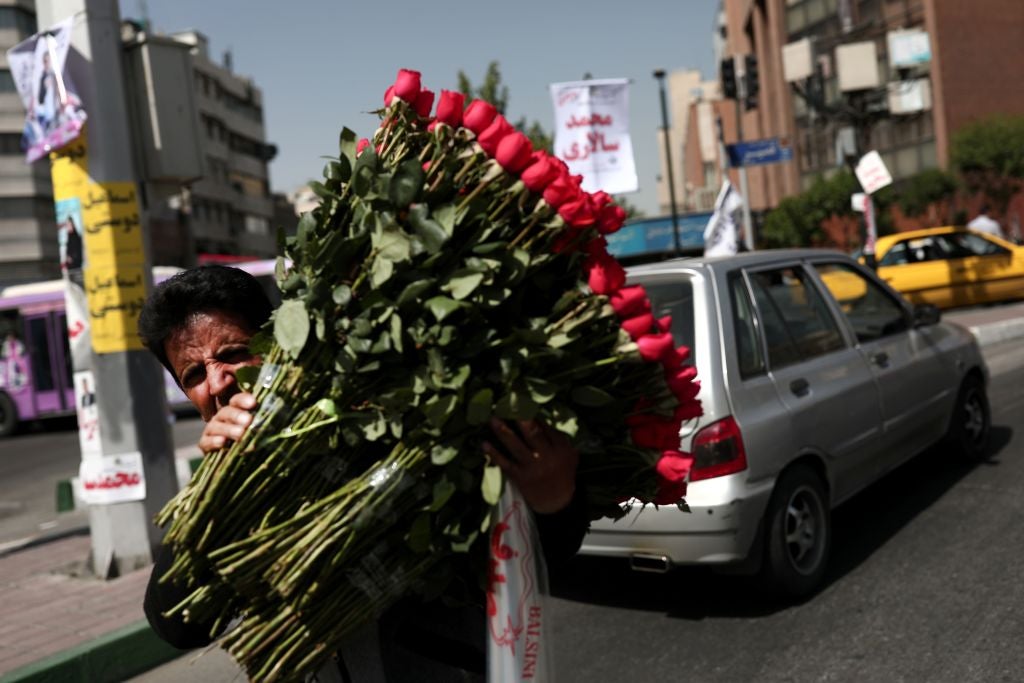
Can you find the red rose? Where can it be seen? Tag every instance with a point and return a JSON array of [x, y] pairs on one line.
[[478, 116], [601, 199], [678, 357], [389, 95], [673, 469], [361, 145], [688, 411], [449, 108], [631, 301], [682, 383], [492, 136], [432, 126], [656, 433], [424, 101], [407, 85], [561, 190], [639, 325], [664, 323], [597, 247], [578, 213], [611, 219], [655, 347], [606, 274], [539, 174], [426, 165], [513, 152]]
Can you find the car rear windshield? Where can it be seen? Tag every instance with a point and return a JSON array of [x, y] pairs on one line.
[[675, 299]]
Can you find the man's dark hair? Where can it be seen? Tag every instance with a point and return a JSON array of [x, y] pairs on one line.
[[197, 290]]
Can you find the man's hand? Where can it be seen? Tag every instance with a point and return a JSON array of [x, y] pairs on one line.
[[228, 424], [539, 460]]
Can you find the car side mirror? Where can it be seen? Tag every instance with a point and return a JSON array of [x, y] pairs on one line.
[[926, 314]]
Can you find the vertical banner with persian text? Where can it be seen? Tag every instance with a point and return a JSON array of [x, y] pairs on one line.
[[592, 133], [103, 217]]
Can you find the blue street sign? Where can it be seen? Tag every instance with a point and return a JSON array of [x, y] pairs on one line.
[[654, 235], [758, 152]]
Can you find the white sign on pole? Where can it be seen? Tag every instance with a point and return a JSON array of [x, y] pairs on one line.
[[112, 479], [592, 133], [872, 173], [857, 201]]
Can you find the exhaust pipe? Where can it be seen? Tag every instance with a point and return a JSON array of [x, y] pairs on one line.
[[657, 564]]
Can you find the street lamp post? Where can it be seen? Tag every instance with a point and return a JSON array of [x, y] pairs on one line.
[[660, 75]]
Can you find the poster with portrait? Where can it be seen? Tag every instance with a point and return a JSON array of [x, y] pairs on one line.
[[88, 414], [54, 113]]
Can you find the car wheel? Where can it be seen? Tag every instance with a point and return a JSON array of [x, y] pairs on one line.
[[8, 415], [971, 425], [798, 534]]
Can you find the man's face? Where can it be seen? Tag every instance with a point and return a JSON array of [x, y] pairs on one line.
[[205, 354]]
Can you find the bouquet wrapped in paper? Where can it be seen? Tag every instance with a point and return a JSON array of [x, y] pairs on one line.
[[450, 274]]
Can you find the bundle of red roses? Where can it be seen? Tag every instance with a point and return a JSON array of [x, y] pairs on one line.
[[452, 273]]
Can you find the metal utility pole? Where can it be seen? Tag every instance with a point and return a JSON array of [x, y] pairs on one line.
[[741, 98], [134, 434], [660, 75]]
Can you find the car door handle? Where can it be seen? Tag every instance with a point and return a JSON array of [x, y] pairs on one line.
[[881, 359], [799, 387]]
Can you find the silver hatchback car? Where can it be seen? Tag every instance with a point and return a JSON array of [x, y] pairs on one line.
[[816, 379]]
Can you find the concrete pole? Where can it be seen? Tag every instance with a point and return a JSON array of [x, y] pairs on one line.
[[129, 383]]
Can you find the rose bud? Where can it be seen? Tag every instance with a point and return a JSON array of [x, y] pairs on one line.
[[426, 165], [424, 101], [449, 108], [631, 301], [639, 325], [597, 247], [492, 136], [361, 145], [658, 433], [682, 383], [688, 410], [606, 275], [611, 219], [407, 85], [673, 468], [389, 95], [539, 174], [478, 116], [578, 213], [514, 152], [561, 190], [664, 323], [601, 199], [655, 347]]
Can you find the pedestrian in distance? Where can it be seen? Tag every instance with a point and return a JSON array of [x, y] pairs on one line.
[[982, 223]]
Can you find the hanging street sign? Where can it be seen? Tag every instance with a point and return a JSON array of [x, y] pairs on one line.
[[758, 152]]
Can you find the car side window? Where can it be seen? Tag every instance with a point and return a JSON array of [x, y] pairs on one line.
[[898, 255], [748, 341], [797, 322], [873, 312], [976, 245]]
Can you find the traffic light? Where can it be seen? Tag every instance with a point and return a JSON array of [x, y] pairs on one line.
[[727, 70], [753, 81]]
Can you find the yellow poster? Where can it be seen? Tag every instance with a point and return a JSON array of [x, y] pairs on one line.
[[115, 296], [113, 263]]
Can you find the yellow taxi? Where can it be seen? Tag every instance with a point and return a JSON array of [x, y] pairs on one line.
[[951, 266]]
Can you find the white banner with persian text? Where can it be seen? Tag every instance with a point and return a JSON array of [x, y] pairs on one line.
[[592, 133]]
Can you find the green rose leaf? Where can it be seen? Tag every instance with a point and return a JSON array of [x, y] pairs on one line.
[[246, 377], [541, 391], [490, 485], [413, 290], [439, 408], [591, 397], [381, 271], [392, 244], [442, 455], [430, 231], [419, 534], [347, 144], [445, 217], [479, 409], [365, 172], [443, 490], [462, 283], [441, 307], [324, 405], [516, 405], [405, 183], [291, 327]]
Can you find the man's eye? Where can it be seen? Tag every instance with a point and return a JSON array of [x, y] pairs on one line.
[[191, 377], [235, 355]]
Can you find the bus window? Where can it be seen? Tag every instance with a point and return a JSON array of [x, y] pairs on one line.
[[39, 352]]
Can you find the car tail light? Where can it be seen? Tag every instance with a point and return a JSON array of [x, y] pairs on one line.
[[718, 451]]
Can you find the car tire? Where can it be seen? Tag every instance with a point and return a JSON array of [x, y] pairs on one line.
[[798, 534], [8, 415], [970, 426]]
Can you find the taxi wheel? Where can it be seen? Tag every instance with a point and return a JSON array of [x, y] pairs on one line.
[[798, 528], [8, 415], [971, 425]]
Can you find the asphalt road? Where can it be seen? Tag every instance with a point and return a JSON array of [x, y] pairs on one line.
[[924, 585]]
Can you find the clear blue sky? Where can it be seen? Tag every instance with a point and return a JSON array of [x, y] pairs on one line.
[[322, 64]]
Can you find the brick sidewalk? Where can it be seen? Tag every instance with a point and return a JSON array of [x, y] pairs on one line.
[[44, 611]]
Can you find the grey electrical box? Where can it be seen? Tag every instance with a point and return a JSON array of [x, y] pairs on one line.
[[161, 98]]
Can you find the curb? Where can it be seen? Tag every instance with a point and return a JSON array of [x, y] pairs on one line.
[[112, 658], [996, 333]]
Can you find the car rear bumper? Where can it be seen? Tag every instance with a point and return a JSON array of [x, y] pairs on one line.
[[718, 532]]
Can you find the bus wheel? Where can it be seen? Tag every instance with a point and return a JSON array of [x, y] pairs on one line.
[[8, 415]]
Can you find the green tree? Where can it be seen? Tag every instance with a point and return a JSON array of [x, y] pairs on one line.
[[989, 155], [919, 193], [492, 90]]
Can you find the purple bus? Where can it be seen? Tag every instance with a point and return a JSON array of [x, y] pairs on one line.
[[35, 351]]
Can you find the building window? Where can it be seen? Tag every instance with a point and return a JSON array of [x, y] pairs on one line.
[[257, 225], [19, 19], [7, 82], [10, 143]]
